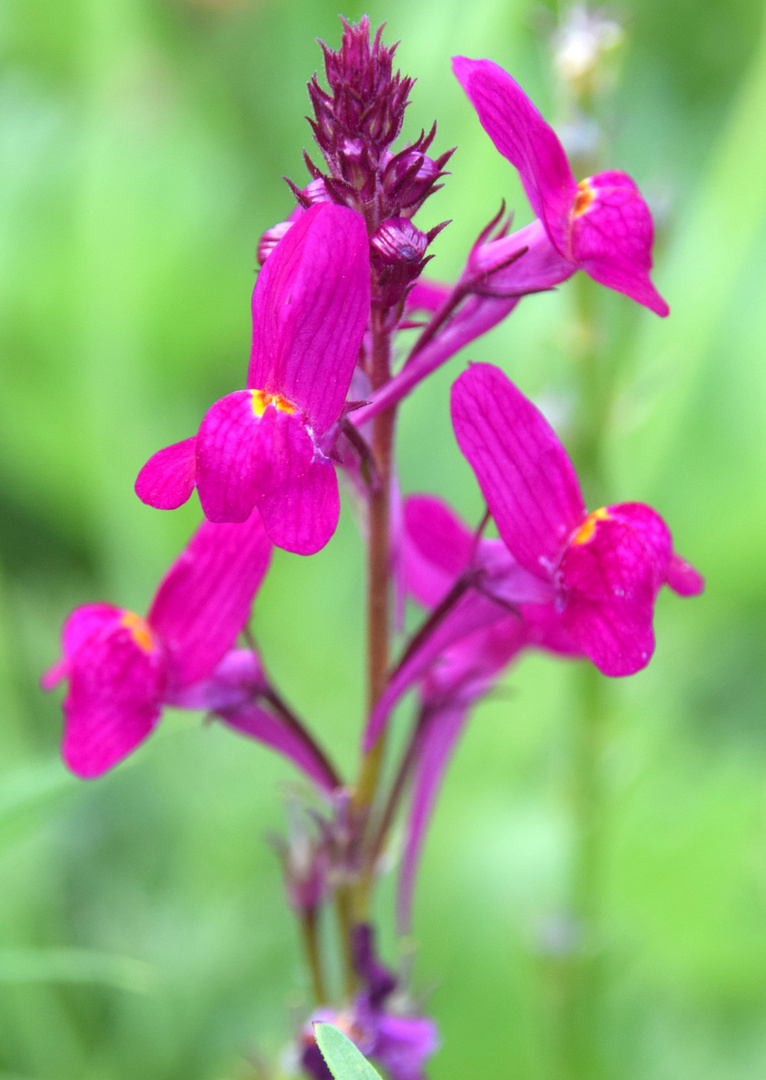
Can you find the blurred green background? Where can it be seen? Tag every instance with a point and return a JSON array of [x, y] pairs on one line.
[[142, 929]]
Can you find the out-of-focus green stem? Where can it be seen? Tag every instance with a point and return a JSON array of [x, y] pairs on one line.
[[581, 1000], [310, 931], [592, 406], [580, 991], [344, 909]]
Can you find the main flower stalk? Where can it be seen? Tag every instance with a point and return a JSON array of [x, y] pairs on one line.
[[378, 594]]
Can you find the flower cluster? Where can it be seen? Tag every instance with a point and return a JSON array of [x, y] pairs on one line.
[[340, 281]]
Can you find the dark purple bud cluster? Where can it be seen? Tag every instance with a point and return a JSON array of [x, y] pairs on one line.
[[356, 122]]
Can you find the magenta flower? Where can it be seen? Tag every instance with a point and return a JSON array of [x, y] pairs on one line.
[[601, 225], [483, 637], [606, 567], [485, 609], [122, 669], [401, 1042], [262, 447]]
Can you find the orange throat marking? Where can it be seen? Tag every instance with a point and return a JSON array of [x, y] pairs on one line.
[[584, 197], [588, 527], [139, 630], [261, 399]]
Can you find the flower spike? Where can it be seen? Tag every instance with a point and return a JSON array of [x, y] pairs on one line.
[[259, 447], [602, 225], [605, 567]]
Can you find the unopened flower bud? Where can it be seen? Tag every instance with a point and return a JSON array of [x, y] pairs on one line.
[[397, 241], [413, 163], [409, 177], [397, 249], [270, 239], [316, 192]]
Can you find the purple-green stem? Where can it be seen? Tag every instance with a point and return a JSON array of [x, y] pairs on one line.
[[310, 930], [352, 898], [378, 599]]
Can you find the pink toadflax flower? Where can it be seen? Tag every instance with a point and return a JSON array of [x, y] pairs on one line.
[[261, 447], [123, 669], [473, 589], [601, 225], [605, 567], [484, 637]]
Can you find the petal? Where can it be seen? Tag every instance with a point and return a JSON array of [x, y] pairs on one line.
[[226, 448], [236, 680], [498, 270], [611, 239], [469, 667], [205, 598], [651, 529], [310, 308], [114, 700], [439, 738], [467, 672], [378, 982], [427, 296], [476, 317], [167, 479], [303, 514], [522, 136], [438, 548], [527, 479], [609, 584], [256, 723], [504, 580], [404, 1043], [471, 612], [546, 631], [683, 578], [84, 622]]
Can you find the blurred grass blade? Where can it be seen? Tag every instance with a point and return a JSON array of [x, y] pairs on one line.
[[343, 1059], [721, 231], [23, 787], [24, 792], [76, 966]]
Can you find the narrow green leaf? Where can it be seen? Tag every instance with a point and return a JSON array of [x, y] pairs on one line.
[[343, 1059]]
